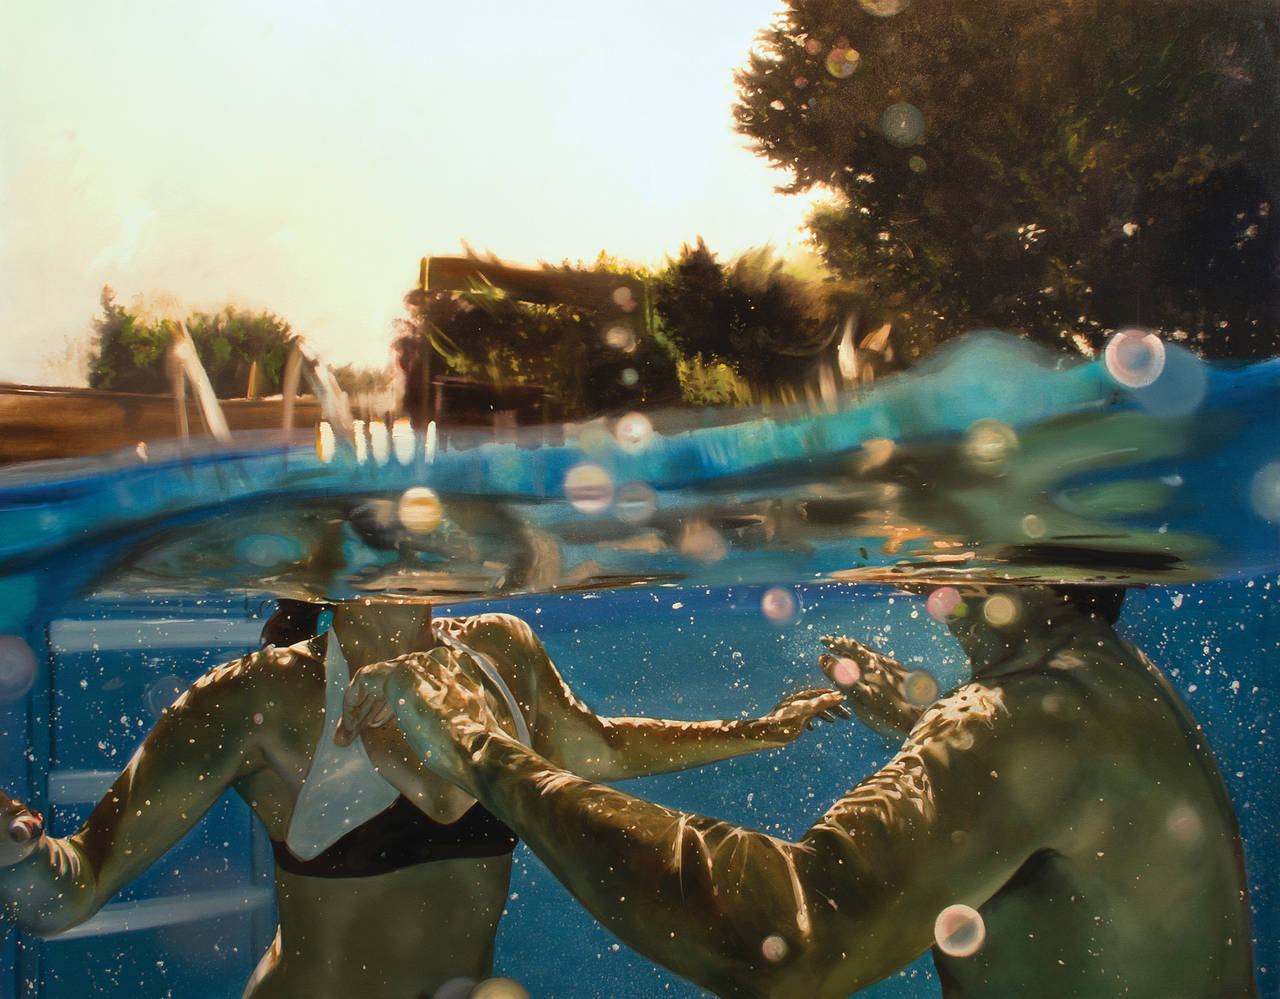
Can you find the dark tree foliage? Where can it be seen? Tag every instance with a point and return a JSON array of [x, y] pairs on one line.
[[129, 352], [594, 358], [1060, 167], [770, 328]]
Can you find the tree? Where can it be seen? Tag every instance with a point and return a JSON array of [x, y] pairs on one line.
[[129, 351], [1063, 168]]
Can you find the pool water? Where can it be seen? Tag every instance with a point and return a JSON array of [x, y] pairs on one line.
[[197, 922]]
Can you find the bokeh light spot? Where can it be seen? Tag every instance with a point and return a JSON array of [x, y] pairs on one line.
[[420, 510], [17, 667], [624, 299], [635, 501], [920, 688], [1184, 824], [629, 376], [902, 124], [499, 988], [633, 432], [842, 63], [780, 605], [1134, 358], [1264, 491], [943, 603], [1032, 526], [959, 931], [1000, 610], [987, 445], [161, 693], [589, 488], [621, 338], [774, 948], [917, 164]]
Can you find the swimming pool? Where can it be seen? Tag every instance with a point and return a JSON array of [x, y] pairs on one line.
[[197, 922]]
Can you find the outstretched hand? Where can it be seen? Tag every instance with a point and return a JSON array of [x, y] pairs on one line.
[[797, 713], [435, 697], [20, 831], [885, 695]]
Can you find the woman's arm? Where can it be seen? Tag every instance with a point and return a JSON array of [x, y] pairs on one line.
[[571, 735], [198, 748], [741, 913]]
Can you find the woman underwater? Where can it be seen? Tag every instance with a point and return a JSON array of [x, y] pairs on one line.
[[390, 880]]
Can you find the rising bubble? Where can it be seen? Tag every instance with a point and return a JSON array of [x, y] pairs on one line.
[[780, 605], [633, 432], [420, 510], [944, 602], [589, 488], [17, 667], [902, 124], [1134, 358], [959, 931]]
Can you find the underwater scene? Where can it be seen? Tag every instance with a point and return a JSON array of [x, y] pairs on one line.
[[887, 611]]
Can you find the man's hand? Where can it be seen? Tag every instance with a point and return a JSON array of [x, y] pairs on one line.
[[885, 695], [20, 831], [437, 700], [796, 713]]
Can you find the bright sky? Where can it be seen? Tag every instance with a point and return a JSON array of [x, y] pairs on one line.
[[302, 157]]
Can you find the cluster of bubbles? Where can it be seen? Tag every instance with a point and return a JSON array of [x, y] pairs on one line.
[[987, 445], [781, 605], [945, 603], [959, 930], [490, 988], [902, 124], [17, 667]]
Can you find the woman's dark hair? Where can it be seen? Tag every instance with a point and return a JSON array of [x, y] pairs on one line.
[[293, 621], [1104, 601]]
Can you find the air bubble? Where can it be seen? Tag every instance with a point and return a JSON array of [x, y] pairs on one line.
[[621, 338], [959, 931], [589, 488]]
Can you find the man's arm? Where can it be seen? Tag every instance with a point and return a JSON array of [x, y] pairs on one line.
[[739, 912], [571, 735], [197, 749]]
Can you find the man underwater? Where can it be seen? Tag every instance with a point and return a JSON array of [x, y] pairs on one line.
[[1056, 826]]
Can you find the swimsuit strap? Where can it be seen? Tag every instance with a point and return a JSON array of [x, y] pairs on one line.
[[495, 684]]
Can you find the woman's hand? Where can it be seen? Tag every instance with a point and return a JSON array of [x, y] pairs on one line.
[[797, 713], [437, 700], [20, 831]]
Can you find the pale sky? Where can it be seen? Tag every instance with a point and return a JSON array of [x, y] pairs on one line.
[[302, 157]]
